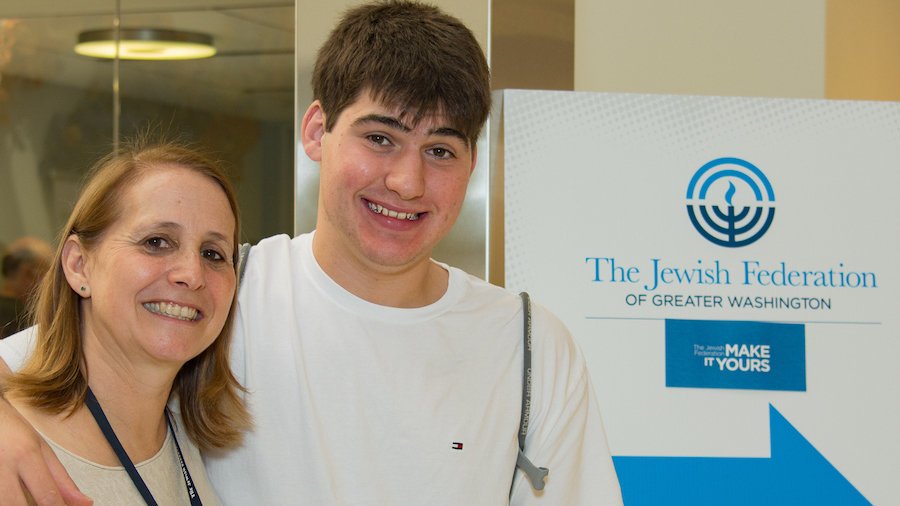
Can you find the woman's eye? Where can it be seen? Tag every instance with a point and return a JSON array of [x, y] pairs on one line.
[[213, 255], [156, 243]]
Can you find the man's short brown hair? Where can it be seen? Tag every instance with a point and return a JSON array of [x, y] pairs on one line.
[[408, 55]]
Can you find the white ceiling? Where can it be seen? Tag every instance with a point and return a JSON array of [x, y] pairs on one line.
[[253, 74]]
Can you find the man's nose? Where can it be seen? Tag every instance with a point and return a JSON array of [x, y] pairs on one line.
[[407, 175]]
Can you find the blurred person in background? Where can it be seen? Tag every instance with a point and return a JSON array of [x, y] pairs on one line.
[[24, 263]]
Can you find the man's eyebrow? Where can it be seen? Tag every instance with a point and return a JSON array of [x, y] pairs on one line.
[[388, 121], [392, 122], [452, 132]]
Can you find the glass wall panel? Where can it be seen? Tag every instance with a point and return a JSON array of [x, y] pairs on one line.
[[57, 107]]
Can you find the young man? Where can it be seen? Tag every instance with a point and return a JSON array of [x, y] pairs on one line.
[[376, 375]]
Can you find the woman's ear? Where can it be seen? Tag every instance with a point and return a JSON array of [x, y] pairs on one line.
[[74, 264], [312, 128]]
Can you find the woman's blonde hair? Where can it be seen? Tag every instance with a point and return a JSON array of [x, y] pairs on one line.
[[54, 378]]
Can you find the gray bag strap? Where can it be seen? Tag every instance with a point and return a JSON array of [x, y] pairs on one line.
[[243, 253], [535, 474]]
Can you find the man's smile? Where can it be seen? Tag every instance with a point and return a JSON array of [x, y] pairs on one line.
[[400, 215]]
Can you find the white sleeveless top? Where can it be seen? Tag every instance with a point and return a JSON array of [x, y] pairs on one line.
[[111, 485]]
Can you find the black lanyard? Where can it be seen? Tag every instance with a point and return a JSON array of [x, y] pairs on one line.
[[110, 435]]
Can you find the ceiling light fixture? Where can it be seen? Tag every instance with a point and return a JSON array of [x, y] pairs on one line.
[[145, 44]]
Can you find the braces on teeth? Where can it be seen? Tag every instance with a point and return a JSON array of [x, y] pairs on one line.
[[393, 214]]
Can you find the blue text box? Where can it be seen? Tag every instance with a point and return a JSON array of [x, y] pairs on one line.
[[735, 354]]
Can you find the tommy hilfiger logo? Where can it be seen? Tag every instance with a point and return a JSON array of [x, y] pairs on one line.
[[456, 445]]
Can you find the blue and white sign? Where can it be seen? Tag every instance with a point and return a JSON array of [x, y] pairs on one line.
[[730, 268]]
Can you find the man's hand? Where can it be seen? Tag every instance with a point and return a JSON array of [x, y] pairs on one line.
[[27, 463]]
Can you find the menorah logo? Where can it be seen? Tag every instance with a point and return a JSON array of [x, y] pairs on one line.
[[730, 202]]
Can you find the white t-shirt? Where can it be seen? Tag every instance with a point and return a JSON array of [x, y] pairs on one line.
[[360, 404]]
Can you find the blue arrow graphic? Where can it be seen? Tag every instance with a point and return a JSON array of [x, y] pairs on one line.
[[796, 473]]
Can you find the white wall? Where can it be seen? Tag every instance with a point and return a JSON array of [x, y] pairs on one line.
[[770, 48]]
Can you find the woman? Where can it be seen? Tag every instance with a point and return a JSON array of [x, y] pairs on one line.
[[137, 309]]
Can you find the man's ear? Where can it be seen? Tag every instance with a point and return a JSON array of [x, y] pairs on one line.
[[474, 159], [312, 128], [74, 264]]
